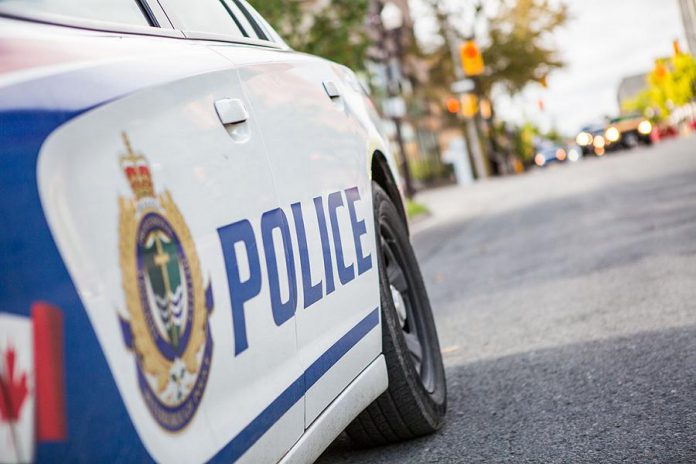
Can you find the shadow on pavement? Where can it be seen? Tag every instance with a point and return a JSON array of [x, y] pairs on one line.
[[618, 400]]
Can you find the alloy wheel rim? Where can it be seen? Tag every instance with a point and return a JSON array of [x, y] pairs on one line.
[[408, 310]]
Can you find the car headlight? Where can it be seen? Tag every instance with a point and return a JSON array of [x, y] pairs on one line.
[[539, 159], [584, 139], [645, 127], [561, 154], [599, 142], [613, 134]]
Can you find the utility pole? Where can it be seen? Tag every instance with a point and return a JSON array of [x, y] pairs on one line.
[[389, 19], [484, 127], [471, 131]]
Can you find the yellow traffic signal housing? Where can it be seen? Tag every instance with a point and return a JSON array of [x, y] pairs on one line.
[[472, 59], [470, 105]]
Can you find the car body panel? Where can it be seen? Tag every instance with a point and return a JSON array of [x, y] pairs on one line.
[[67, 96], [353, 400], [209, 175], [312, 142]]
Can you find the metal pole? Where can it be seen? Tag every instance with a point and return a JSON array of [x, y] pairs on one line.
[[408, 184], [393, 92], [409, 191], [484, 129], [471, 132], [481, 126]]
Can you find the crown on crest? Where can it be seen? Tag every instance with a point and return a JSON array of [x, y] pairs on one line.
[[137, 171]]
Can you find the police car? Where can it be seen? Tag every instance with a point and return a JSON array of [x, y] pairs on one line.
[[204, 254]]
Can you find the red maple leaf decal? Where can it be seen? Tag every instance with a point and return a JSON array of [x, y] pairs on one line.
[[13, 392]]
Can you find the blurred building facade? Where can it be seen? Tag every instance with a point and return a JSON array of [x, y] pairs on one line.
[[630, 87], [394, 58], [688, 13]]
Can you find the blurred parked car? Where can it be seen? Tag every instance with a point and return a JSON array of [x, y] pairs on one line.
[[628, 131], [548, 153], [574, 153], [592, 140]]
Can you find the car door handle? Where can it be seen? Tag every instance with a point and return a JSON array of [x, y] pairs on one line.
[[231, 111], [331, 89]]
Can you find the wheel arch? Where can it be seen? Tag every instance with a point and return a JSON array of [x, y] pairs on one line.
[[382, 175]]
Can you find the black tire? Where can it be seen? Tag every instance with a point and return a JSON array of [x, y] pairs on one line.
[[416, 400]]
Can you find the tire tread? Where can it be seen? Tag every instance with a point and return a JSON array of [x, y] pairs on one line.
[[399, 413]]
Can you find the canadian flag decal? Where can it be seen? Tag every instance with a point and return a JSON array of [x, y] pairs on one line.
[[32, 392], [13, 387]]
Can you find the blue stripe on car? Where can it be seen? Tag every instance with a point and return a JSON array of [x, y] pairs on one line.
[[296, 390]]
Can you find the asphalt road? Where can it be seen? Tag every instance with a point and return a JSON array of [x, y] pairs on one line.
[[565, 301]]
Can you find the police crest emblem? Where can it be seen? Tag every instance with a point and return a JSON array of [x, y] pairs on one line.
[[167, 304]]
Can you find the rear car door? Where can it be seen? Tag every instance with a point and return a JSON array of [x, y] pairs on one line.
[[319, 155], [154, 186]]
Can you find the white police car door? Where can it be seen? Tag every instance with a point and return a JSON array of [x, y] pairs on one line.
[[156, 200], [319, 159]]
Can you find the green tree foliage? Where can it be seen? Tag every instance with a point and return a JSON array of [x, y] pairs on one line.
[[670, 85], [523, 142], [439, 58], [336, 31], [682, 79], [286, 16], [519, 50]]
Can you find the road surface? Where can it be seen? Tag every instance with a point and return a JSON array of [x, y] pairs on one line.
[[565, 300]]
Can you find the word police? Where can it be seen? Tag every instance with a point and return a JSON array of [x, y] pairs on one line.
[[241, 235]]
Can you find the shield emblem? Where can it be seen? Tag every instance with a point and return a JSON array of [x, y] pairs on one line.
[[168, 304], [164, 286]]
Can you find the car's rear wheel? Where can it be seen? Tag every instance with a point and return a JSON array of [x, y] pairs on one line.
[[416, 400]]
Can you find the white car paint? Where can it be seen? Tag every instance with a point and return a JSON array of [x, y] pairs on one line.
[[296, 145], [312, 142], [337, 416], [209, 176]]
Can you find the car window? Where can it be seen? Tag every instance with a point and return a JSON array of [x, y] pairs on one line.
[[245, 9], [242, 20], [270, 33], [113, 11], [204, 16]]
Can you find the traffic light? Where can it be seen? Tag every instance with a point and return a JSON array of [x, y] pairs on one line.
[[453, 105], [467, 106], [472, 60], [470, 105]]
